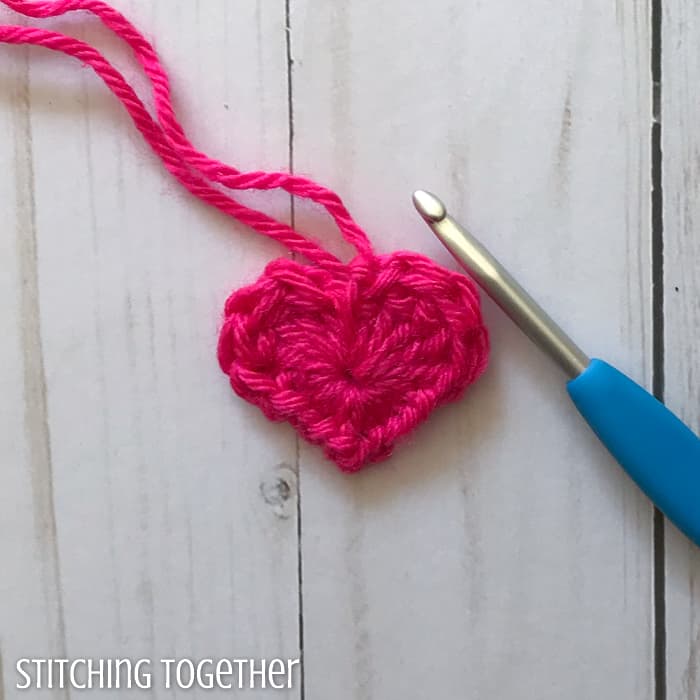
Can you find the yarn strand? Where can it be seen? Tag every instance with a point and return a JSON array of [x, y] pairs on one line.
[[213, 170]]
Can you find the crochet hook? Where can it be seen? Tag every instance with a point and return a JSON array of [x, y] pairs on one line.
[[655, 447]]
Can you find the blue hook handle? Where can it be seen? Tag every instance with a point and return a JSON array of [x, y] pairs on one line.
[[656, 449]]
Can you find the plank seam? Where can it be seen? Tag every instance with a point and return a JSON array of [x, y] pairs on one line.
[[290, 156], [658, 339]]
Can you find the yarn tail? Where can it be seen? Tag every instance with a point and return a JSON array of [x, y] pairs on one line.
[[199, 173]]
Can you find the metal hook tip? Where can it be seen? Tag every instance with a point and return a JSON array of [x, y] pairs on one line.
[[429, 206]]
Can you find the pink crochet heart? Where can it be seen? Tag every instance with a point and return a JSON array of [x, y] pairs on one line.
[[356, 357]]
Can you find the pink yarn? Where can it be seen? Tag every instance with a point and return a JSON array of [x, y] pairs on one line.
[[358, 358], [354, 355]]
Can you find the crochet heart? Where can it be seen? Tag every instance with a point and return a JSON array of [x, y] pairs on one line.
[[358, 359]]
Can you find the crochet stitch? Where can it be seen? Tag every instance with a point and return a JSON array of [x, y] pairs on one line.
[[353, 355]]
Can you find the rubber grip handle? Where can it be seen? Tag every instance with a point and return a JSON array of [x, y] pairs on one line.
[[657, 450]]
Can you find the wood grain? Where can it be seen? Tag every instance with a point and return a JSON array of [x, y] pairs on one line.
[[146, 512], [501, 553], [681, 176]]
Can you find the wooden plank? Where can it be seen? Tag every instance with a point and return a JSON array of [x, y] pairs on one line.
[[681, 175], [501, 553], [144, 508]]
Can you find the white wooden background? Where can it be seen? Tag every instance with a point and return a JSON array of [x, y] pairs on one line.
[[147, 511]]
